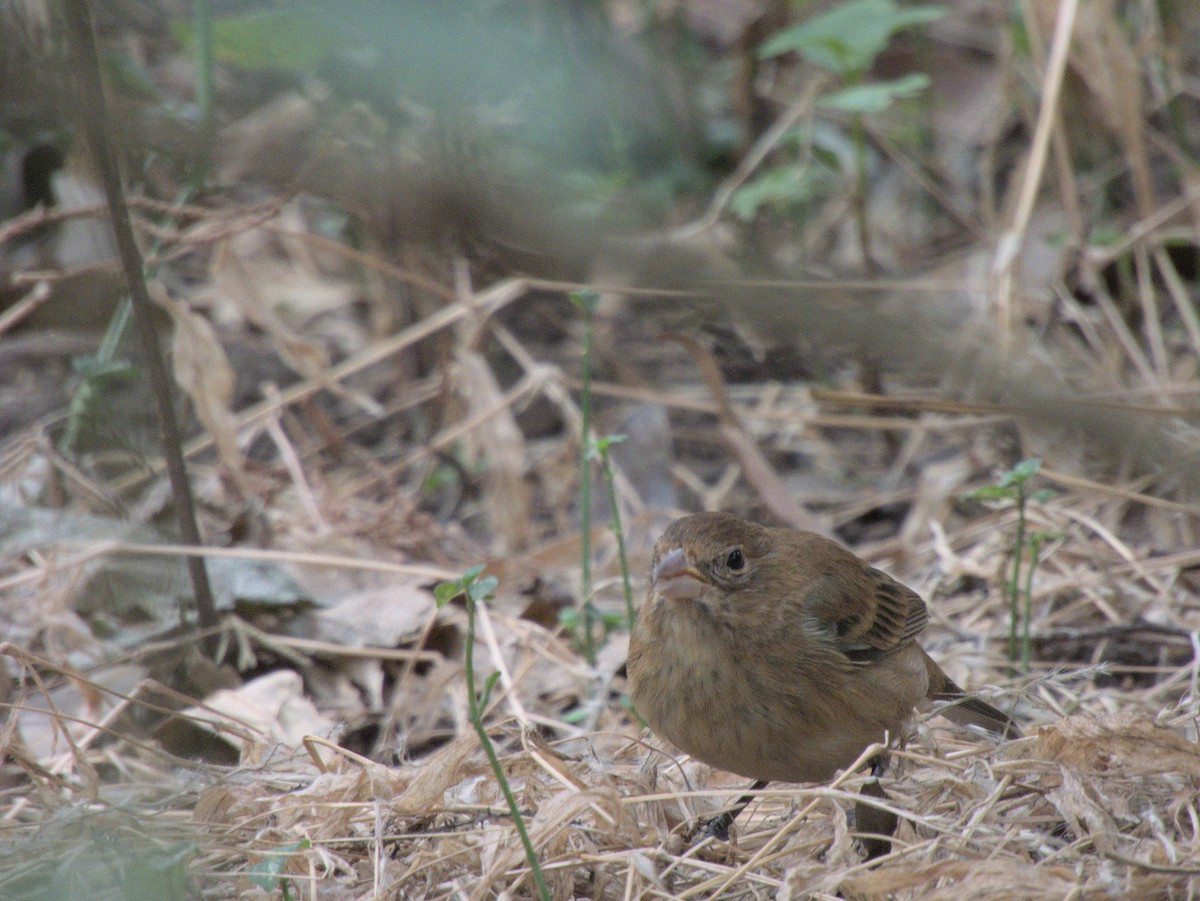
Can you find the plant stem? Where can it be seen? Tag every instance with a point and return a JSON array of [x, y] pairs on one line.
[[1035, 547], [1015, 581], [859, 193], [202, 23], [96, 125], [484, 739], [585, 491], [615, 525]]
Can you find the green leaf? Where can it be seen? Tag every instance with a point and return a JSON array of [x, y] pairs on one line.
[[96, 369], [288, 39], [989, 493], [846, 39], [445, 592], [602, 444], [829, 158], [613, 619], [440, 477], [469, 576], [598, 449], [486, 694], [1105, 235], [1021, 45], [1021, 473], [131, 77], [877, 96], [776, 187], [575, 715], [265, 873], [480, 589], [587, 300]]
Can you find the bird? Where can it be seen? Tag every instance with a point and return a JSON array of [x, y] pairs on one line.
[[779, 655]]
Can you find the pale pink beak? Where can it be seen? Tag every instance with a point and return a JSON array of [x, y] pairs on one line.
[[676, 579]]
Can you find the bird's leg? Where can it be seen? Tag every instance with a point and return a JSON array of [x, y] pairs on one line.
[[718, 826], [871, 819]]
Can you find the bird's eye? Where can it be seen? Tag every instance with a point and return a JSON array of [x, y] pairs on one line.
[[736, 559]]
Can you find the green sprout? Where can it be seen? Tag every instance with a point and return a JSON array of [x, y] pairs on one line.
[[599, 450], [473, 589], [1013, 486], [587, 302], [267, 873]]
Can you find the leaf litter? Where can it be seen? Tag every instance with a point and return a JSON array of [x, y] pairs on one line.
[[332, 752]]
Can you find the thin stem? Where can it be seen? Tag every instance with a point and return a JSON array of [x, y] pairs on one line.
[[1035, 547], [615, 525], [202, 22], [585, 491], [92, 110], [1015, 581], [484, 739], [104, 361], [859, 193]]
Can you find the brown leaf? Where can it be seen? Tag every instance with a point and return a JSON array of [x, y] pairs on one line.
[[264, 712], [426, 791], [202, 370]]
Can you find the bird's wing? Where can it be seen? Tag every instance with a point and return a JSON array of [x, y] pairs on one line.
[[871, 614]]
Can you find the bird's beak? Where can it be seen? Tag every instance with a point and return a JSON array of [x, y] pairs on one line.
[[676, 579]]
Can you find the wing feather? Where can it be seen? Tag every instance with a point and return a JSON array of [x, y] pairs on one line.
[[868, 613]]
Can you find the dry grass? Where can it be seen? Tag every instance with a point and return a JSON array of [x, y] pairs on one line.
[[346, 768], [1101, 798]]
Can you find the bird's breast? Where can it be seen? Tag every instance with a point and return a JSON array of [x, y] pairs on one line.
[[762, 709], [690, 679]]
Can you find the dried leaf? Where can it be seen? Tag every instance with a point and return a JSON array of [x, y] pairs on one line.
[[264, 712], [381, 617], [427, 788], [202, 370]]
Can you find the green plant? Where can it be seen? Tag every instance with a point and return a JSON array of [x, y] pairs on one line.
[[845, 41], [473, 590], [94, 374], [1013, 486], [583, 621], [284, 38], [609, 621], [266, 873], [586, 302], [202, 21], [599, 450]]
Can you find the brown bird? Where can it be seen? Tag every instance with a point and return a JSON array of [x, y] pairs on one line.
[[778, 654]]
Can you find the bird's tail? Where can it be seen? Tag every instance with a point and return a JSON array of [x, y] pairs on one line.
[[965, 709]]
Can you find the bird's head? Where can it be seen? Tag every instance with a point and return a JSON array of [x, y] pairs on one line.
[[707, 557]]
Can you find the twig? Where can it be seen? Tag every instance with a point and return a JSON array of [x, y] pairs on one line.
[[1009, 247], [92, 111]]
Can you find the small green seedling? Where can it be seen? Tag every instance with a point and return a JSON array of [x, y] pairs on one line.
[[474, 589], [1013, 486], [266, 874], [587, 302], [599, 450]]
